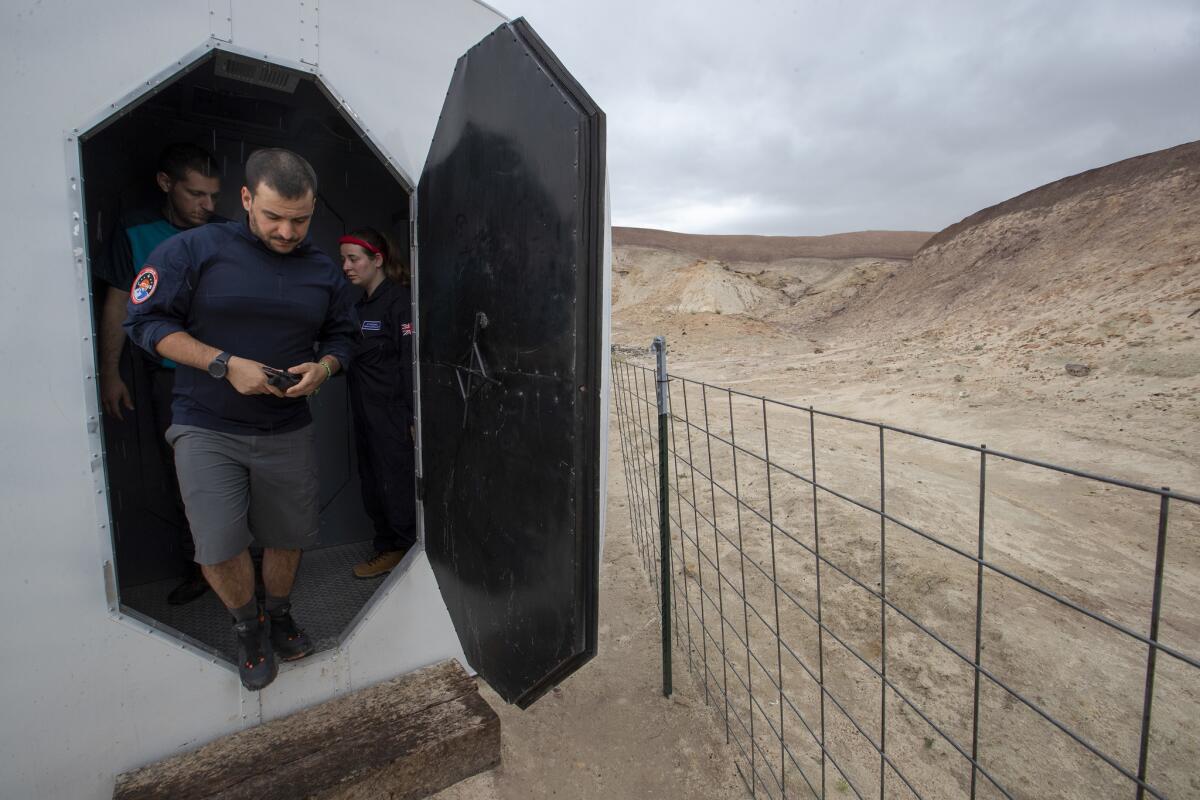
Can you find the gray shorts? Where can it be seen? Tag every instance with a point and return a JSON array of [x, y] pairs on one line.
[[238, 489]]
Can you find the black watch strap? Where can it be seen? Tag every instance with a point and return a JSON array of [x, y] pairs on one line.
[[219, 366]]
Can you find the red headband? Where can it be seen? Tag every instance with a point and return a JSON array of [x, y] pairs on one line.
[[370, 248]]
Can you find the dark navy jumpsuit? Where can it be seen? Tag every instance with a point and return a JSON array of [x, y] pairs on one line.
[[381, 397]]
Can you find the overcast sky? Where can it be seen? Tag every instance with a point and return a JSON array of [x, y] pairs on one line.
[[808, 117]]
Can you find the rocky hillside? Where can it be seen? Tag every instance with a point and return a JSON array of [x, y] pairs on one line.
[[774, 279], [1100, 267], [1098, 262]]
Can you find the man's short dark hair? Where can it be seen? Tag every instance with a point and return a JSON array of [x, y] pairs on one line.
[[176, 159], [282, 170]]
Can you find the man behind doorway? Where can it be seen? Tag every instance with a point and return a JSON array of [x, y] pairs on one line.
[[188, 178], [229, 303]]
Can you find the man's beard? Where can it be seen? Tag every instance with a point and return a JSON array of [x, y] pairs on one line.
[[277, 245]]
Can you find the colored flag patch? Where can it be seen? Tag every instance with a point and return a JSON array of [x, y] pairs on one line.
[[144, 285], [406, 328]]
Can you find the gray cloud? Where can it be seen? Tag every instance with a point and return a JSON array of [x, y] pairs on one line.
[[810, 117]]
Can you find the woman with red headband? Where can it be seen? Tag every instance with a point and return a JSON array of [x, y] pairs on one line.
[[381, 395]]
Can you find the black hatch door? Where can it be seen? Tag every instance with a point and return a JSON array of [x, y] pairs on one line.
[[510, 248]]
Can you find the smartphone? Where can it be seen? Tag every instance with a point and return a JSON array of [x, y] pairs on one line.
[[281, 378]]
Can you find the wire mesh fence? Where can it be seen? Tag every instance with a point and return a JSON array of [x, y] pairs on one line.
[[876, 612]]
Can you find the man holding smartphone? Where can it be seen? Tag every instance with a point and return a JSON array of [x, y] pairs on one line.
[[235, 305]]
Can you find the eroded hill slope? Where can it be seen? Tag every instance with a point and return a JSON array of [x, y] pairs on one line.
[[974, 332], [1096, 262]]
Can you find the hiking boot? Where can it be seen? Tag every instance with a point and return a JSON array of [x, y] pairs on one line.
[[290, 642], [379, 564], [190, 588], [256, 661]]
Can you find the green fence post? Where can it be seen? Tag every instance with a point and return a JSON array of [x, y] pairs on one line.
[[664, 520]]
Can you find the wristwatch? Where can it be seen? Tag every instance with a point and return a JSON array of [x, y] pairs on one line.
[[219, 366]]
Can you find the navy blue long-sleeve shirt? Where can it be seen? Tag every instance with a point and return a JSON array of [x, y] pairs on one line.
[[224, 287]]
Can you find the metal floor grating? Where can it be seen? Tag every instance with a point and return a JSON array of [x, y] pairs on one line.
[[324, 600]]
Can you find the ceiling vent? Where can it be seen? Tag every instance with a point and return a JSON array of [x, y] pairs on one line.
[[256, 72]]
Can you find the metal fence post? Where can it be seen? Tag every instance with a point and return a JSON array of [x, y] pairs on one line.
[[659, 347]]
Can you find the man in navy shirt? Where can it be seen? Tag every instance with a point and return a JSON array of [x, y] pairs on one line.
[[235, 305]]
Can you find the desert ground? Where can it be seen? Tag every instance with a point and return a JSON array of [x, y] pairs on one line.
[[963, 334]]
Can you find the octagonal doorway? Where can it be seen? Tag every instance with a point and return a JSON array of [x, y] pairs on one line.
[[231, 105]]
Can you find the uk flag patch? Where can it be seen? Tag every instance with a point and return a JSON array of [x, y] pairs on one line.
[[406, 329]]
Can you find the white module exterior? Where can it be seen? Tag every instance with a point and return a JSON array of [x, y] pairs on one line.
[[88, 693]]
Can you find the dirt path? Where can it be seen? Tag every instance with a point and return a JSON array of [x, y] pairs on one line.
[[607, 732]]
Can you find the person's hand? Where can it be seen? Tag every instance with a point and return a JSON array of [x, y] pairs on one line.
[[247, 376], [114, 394], [312, 375]]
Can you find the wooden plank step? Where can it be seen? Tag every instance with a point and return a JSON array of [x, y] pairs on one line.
[[403, 739]]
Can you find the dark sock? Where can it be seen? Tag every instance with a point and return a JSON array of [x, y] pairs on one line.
[[247, 612], [274, 604]]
